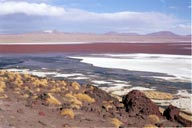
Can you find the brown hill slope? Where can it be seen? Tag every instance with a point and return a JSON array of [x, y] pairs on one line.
[[29, 101]]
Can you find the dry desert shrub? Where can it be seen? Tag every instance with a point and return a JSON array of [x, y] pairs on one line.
[[116, 122], [153, 119], [75, 85], [37, 89], [158, 95], [55, 89], [2, 72], [2, 86], [52, 100], [84, 97], [10, 75], [75, 103], [18, 82], [44, 82], [3, 78], [17, 75], [3, 96], [68, 112], [62, 83], [40, 83], [26, 76]]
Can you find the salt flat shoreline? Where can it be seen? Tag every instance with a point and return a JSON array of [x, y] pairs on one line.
[[174, 65]]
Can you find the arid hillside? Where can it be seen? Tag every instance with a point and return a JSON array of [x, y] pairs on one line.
[[29, 101]]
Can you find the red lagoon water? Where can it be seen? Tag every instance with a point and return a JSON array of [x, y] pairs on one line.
[[155, 48]]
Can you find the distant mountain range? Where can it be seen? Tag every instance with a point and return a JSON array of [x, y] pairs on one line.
[[159, 33], [57, 36]]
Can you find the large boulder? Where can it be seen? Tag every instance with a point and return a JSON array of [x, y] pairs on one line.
[[136, 103]]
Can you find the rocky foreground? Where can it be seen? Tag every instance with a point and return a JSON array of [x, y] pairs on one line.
[[27, 101]]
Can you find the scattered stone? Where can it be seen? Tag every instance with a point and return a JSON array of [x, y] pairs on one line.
[[41, 113], [20, 111], [42, 123]]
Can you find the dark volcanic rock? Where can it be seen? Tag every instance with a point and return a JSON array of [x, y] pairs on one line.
[[137, 103], [171, 112]]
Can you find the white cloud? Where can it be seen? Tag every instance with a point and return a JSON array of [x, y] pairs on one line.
[[30, 9], [25, 16]]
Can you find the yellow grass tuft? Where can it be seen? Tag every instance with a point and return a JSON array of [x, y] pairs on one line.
[[17, 75], [25, 96], [26, 88], [75, 106], [73, 100], [38, 90], [3, 78], [18, 82], [150, 126], [2, 86], [55, 89], [3, 96], [75, 85], [62, 83], [17, 92], [44, 82], [53, 100], [84, 97], [35, 97], [116, 122], [38, 83], [68, 112], [2, 72], [10, 75], [27, 76], [158, 95], [153, 119]]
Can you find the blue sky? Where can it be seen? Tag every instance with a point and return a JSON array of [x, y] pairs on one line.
[[176, 7], [99, 16]]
